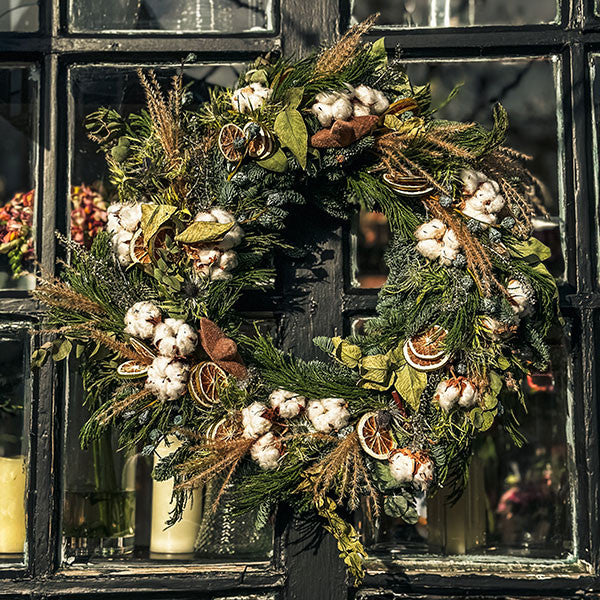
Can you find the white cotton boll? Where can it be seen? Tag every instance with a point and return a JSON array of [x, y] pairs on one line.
[[174, 324], [141, 319], [450, 240], [401, 467], [250, 98], [266, 452], [253, 422], [328, 414], [496, 204], [177, 372], [381, 103], [208, 256], [130, 216], [519, 299], [162, 330], [446, 394], [232, 238], [339, 418], [341, 109], [229, 260], [322, 423], [167, 346], [289, 404], [432, 230], [333, 403], [323, 112], [167, 378], [365, 94], [475, 203], [431, 249], [326, 98], [469, 395], [187, 339], [112, 222], [360, 110], [314, 409], [205, 217], [222, 216], [447, 255], [424, 475], [218, 274], [471, 180]]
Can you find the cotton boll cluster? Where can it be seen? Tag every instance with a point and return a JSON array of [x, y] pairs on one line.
[[483, 200], [407, 467], [122, 221], [141, 320], [288, 404], [368, 101], [254, 420], [250, 98], [215, 261], [167, 378], [519, 297], [456, 391], [266, 451], [175, 337], [435, 240], [352, 102], [329, 414]]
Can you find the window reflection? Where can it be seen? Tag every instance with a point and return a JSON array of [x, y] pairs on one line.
[[19, 15], [372, 238], [456, 13], [18, 115], [14, 398], [225, 16]]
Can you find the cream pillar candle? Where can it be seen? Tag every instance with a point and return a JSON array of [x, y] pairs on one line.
[[13, 477], [180, 538]]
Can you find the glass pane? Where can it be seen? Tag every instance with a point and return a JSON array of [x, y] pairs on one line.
[[527, 89], [14, 403], [595, 78], [112, 506], [456, 13], [198, 16], [19, 15], [18, 153], [517, 501], [372, 235]]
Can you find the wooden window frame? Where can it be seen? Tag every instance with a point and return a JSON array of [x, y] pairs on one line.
[[312, 572]]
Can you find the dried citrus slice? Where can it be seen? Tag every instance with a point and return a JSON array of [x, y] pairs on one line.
[[428, 345], [408, 185], [232, 142], [138, 250], [375, 439], [204, 383], [424, 364], [261, 144], [132, 370], [223, 430], [141, 348], [158, 240]]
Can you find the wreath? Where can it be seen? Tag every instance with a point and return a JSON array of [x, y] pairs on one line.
[[204, 197]]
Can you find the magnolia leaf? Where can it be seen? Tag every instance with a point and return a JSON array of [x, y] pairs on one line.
[[379, 53], [410, 384], [153, 216], [202, 232], [62, 350], [375, 369], [531, 250], [291, 130], [349, 354], [293, 97], [277, 162]]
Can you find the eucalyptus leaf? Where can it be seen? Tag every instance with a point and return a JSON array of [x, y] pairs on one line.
[[62, 350], [291, 131], [202, 232], [293, 97], [153, 216]]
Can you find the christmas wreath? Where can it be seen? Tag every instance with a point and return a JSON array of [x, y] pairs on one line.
[[205, 191]]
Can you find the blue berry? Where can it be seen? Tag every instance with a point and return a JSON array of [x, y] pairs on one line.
[[178, 420], [239, 143], [148, 450], [143, 418], [252, 130], [155, 434], [461, 368], [466, 282]]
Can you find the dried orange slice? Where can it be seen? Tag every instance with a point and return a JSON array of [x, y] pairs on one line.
[[144, 351], [422, 364], [138, 250], [375, 439], [132, 370], [158, 240], [223, 430], [259, 146], [204, 382], [408, 185], [232, 142], [428, 345]]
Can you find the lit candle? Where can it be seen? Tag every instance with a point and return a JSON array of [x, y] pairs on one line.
[[181, 537], [13, 475]]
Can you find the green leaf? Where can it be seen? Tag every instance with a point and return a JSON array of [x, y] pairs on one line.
[[202, 232], [383, 476], [375, 369], [277, 162], [476, 416], [487, 419], [153, 216], [379, 53], [257, 76], [293, 97], [62, 350], [348, 354], [503, 362], [79, 348], [496, 382], [291, 130], [39, 358], [531, 250], [395, 506], [410, 384]]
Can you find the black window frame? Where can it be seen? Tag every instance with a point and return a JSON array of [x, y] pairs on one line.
[[301, 568]]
